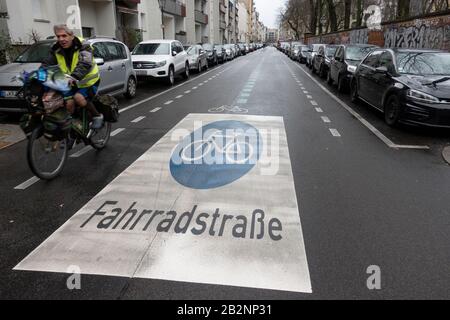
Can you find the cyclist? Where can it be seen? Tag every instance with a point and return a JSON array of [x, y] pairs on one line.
[[75, 58]]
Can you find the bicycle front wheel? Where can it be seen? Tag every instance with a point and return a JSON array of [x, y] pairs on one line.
[[100, 137], [45, 156]]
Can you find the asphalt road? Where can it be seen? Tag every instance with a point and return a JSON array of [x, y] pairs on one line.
[[361, 202]]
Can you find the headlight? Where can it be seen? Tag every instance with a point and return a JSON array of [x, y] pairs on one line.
[[351, 69], [421, 96], [161, 64]]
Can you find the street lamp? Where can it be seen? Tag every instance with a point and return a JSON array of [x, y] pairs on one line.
[[162, 4]]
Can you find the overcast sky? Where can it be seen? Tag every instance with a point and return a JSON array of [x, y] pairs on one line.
[[268, 11]]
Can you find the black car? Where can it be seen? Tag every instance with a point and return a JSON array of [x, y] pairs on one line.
[[322, 60], [221, 53], [210, 53], [408, 85], [344, 63]]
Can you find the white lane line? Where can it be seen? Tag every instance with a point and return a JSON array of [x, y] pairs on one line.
[[138, 119], [309, 97], [117, 131], [168, 90], [305, 91], [168, 102], [247, 89], [156, 110], [368, 125], [326, 119], [81, 152], [179, 97], [187, 92], [335, 133], [314, 103], [200, 84], [245, 95], [210, 79], [194, 88], [319, 110], [27, 183], [242, 101]]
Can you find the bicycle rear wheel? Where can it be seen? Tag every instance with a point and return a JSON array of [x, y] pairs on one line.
[[46, 157]]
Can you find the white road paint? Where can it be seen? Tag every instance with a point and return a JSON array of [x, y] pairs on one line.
[[138, 119], [367, 124], [305, 91], [27, 183], [309, 97], [243, 101], [117, 132], [335, 133], [156, 110], [101, 240], [319, 110], [179, 97], [326, 119], [81, 152], [194, 88], [314, 103], [168, 102]]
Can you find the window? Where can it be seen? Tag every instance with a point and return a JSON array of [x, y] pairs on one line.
[[114, 50], [87, 32], [387, 61], [373, 59], [36, 53], [122, 51], [39, 9], [100, 51], [152, 49]]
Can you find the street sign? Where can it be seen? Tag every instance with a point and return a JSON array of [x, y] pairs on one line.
[[212, 202]]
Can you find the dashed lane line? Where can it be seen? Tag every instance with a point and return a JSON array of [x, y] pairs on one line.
[[335, 133], [27, 183], [138, 119], [156, 110], [319, 110], [168, 102], [326, 119]]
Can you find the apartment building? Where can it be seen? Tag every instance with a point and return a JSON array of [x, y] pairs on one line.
[[190, 21]]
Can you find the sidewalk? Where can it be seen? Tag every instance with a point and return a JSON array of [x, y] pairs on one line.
[[10, 134]]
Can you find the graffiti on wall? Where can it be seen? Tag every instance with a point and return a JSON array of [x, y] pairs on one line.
[[423, 36], [359, 36]]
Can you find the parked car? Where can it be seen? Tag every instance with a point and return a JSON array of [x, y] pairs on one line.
[[302, 54], [211, 54], [294, 50], [313, 48], [197, 57], [162, 59], [322, 60], [229, 53], [113, 58], [344, 63], [408, 85], [220, 51], [242, 49]]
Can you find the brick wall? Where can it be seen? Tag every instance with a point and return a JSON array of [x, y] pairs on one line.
[[431, 32]]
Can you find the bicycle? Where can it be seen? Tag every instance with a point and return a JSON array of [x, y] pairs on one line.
[[206, 146], [233, 109]]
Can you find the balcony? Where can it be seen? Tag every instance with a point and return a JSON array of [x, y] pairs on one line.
[[201, 17], [175, 7]]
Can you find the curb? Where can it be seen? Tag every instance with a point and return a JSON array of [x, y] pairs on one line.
[[446, 154]]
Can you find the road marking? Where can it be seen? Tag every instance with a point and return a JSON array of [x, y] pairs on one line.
[[138, 119], [179, 97], [335, 133], [200, 84], [305, 92], [168, 102], [194, 88], [314, 103], [135, 228], [117, 131], [166, 91], [245, 95], [309, 97], [247, 89], [27, 183], [367, 124], [242, 101], [81, 152], [156, 110], [326, 119], [188, 91], [319, 110]]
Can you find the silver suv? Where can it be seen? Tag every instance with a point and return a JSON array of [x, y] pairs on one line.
[[113, 58]]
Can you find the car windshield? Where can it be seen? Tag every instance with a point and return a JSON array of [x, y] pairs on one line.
[[329, 52], [36, 53], [305, 48], [208, 47], [218, 47], [190, 50], [357, 53], [424, 63], [152, 49]]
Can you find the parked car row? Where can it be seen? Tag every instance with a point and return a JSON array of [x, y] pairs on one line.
[[407, 85], [121, 69]]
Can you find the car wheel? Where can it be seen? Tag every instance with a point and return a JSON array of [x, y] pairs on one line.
[[354, 91], [392, 110], [186, 71], [131, 88], [171, 77], [329, 78]]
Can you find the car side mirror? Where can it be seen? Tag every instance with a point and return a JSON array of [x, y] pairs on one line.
[[174, 53], [99, 61], [382, 70]]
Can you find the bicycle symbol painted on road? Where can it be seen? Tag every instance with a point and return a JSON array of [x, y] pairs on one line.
[[232, 109]]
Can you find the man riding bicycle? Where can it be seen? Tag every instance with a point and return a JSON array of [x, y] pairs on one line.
[[76, 59]]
